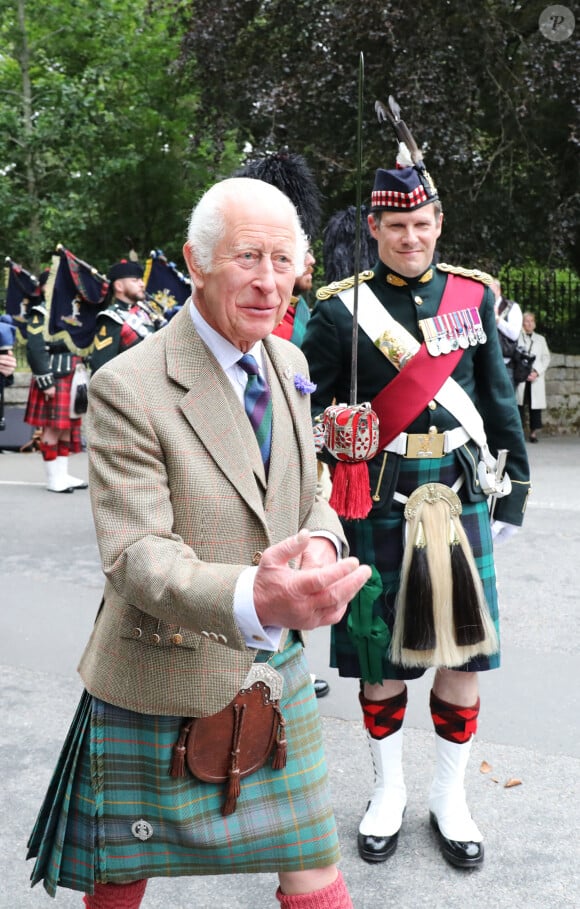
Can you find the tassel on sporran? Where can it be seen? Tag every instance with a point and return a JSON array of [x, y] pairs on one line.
[[442, 618]]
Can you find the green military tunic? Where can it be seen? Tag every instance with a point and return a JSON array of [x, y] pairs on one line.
[[481, 373]]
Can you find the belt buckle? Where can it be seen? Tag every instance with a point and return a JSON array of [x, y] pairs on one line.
[[425, 445]]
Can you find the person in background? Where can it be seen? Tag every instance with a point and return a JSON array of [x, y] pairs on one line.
[[218, 555], [508, 319], [52, 365], [531, 394], [126, 319], [427, 349]]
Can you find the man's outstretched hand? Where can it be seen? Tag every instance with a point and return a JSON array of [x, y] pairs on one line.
[[316, 594]]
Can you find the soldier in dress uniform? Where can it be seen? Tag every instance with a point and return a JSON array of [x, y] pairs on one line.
[[126, 320], [52, 364], [427, 347]]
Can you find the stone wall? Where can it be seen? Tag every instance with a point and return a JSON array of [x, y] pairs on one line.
[[561, 417], [18, 392]]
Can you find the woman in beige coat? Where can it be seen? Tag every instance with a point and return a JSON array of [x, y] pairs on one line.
[[532, 392]]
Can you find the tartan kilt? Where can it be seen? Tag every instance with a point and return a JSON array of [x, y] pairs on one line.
[[114, 771], [55, 412], [379, 541]]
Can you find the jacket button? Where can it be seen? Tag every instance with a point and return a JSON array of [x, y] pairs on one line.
[[155, 639], [177, 639], [256, 558], [222, 639], [432, 405], [137, 632], [419, 300]]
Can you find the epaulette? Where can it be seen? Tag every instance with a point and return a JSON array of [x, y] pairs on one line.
[[115, 313], [474, 273], [324, 293]]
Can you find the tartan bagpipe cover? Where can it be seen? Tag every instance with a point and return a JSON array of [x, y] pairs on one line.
[[75, 292], [165, 284]]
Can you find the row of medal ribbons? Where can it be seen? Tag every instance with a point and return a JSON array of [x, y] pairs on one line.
[[448, 332]]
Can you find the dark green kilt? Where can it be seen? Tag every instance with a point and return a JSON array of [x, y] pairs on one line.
[[378, 541], [114, 771]]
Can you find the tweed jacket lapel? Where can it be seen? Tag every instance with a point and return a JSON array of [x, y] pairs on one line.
[[212, 409], [228, 435]]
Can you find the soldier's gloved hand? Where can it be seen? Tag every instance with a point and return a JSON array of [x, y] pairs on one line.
[[502, 532]]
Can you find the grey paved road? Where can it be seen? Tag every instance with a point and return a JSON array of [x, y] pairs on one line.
[[529, 726]]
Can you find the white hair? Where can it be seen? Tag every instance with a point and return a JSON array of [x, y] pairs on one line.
[[207, 224]]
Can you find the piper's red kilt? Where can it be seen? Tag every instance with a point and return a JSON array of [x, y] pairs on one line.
[[54, 412]]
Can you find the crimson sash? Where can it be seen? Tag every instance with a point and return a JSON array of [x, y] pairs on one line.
[[403, 399]]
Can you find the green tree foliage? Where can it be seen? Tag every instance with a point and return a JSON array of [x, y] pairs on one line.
[[99, 146], [115, 115], [491, 100]]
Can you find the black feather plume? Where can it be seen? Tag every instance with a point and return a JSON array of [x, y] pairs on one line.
[[290, 174], [338, 244]]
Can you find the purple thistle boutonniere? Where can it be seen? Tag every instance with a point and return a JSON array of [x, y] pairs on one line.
[[304, 385]]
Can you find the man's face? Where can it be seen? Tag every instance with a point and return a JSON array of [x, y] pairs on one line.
[[248, 290], [304, 282], [406, 240], [130, 290]]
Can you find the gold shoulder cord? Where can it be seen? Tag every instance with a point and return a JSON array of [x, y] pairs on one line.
[[474, 273], [324, 293]]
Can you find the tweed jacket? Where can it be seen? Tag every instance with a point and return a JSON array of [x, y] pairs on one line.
[[181, 506]]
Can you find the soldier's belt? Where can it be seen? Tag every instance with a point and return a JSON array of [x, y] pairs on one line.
[[428, 444]]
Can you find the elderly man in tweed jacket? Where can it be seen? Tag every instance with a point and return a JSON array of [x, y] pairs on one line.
[[200, 536]]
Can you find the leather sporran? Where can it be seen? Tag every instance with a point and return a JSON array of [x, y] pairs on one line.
[[237, 741], [79, 392]]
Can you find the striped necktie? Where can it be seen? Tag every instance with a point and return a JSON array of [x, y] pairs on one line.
[[258, 404]]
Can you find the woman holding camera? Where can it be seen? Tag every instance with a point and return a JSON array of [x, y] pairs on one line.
[[532, 392]]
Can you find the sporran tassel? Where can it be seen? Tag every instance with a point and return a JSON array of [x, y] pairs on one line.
[[234, 789], [418, 626], [281, 753], [467, 594], [462, 625], [177, 768]]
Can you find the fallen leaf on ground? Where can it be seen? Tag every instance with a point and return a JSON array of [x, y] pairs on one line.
[[512, 782], [484, 767]]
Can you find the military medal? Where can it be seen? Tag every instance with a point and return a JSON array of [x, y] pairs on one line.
[[444, 341], [471, 336], [430, 335], [461, 332], [481, 335], [451, 332]]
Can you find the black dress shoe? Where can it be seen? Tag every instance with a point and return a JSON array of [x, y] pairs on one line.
[[376, 848], [461, 855], [321, 688], [533, 437]]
